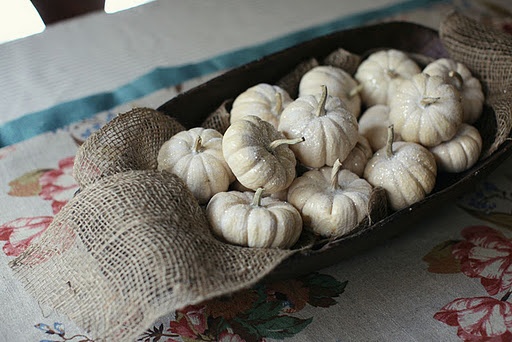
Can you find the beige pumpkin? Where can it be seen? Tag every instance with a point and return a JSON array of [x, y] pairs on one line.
[[259, 155], [461, 78], [461, 152], [263, 100], [358, 157], [426, 110], [196, 157], [377, 73], [332, 201], [406, 170], [329, 130], [373, 125], [247, 219], [339, 84]]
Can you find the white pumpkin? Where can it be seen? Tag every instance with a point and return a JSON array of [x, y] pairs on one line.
[[358, 157], [426, 110], [259, 155], [196, 157], [339, 83], [373, 125], [406, 170], [461, 152], [469, 87], [332, 201], [247, 219], [379, 70], [329, 130], [263, 100]]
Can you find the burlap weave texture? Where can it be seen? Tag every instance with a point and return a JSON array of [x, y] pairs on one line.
[[134, 246]]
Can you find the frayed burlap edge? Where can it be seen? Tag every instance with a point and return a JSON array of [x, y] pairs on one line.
[[133, 247]]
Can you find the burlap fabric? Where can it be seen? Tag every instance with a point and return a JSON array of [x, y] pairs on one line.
[[130, 141], [488, 54], [130, 248], [134, 244]]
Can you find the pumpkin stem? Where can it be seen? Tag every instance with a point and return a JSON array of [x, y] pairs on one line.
[[428, 100], [391, 73], [279, 104], [276, 143], [457, 79], [256, 200], [198, 145], [389, 142], [356, 90], [334, 174], [320, 111]]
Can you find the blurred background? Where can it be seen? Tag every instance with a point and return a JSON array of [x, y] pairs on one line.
[[22, 18]]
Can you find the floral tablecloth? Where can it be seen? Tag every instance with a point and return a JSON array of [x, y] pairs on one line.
[[447, 278]]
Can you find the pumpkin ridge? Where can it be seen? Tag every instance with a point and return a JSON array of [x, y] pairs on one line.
[[211, 164], [196, 164], [462, 152], [426, 166], [414, 178], [182, 164], [444, 116]]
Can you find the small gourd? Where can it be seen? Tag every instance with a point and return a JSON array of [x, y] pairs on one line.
[[339, 84], [373, 125], [259, 155], [406, 170], [263, 100], [196, 157], [332, 201], [469, 87], [329, 130], [358, 157], [426, 110], [461, 152], [379, 71], [247, 219]]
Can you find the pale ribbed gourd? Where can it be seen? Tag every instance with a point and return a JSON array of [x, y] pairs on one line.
[[461, 152], [196, 157], [331, 200], [358, 157], [248, 219], [373, 125], [426, 110], [461, 78], [406, 170], [259, 155], [263, 100], [330, 131], [377, 73], [339, 84]]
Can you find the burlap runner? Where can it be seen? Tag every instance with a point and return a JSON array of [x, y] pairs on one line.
[[488, 54], [130, 248], [130, 141], [135, 245]]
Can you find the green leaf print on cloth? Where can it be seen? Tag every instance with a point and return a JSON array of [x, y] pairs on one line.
[[251, 315]]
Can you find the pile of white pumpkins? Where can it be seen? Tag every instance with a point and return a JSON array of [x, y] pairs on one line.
[[415, 123]]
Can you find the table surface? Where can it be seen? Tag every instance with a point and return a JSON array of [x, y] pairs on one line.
[[447, 278]]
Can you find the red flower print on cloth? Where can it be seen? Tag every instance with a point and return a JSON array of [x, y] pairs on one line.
[[58, 185], [486, 254], [479, 319], [190, 321], [19, 233]]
